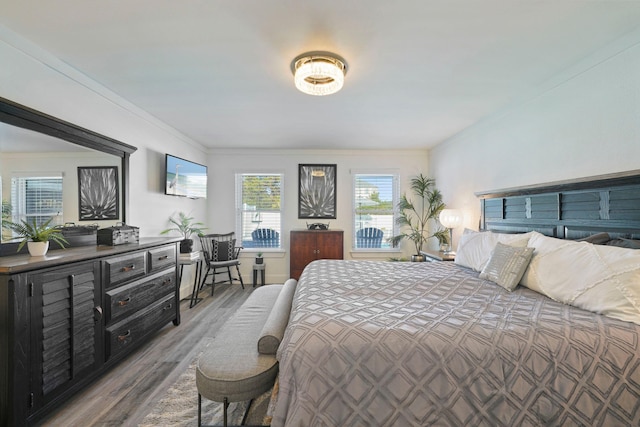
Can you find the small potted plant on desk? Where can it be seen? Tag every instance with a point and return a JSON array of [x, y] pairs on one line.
[[415, 216], [259, 258], [36, 236], [186, 226]]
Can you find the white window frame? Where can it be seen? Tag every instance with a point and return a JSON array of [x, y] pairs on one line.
[[241, 211], [395, 174]]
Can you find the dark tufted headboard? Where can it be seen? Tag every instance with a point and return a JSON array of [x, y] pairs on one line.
[[569, 209]]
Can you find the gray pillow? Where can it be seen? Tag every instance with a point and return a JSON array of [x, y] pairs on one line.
[[507, 265]]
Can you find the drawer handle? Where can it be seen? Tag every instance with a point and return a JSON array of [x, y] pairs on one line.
[[163, 257], [129, 268], [97, 314], [166, 282], [168, 307], [123, 337], [124, 302]]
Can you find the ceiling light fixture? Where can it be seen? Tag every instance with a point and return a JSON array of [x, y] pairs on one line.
[[319, 73]]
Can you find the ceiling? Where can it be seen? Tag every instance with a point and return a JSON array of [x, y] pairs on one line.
[[420, 71]]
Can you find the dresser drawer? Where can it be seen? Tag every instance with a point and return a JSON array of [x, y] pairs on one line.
[[125, 300], [161, 258], [125, 268], [129, 332]]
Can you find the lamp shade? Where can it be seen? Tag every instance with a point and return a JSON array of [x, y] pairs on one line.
[[451, 218]]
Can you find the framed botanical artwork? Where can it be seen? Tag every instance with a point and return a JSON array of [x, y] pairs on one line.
[[317, 191], [98, 192]]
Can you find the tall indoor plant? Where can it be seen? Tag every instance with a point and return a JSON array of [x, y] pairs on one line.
[[36, 236], [415, 215], [186, 226]]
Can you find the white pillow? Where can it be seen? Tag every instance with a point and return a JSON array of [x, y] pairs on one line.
[[507, 265], [474, 249], [601, 279]]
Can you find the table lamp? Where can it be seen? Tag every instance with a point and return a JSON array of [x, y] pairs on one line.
[[450, 218]]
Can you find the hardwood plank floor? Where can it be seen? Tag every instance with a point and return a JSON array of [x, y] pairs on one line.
[[124, 395]]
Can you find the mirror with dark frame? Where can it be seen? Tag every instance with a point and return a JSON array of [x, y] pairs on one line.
[[43, 151]]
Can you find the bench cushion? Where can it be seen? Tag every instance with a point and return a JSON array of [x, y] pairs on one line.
[[231, 367], [273, 329]]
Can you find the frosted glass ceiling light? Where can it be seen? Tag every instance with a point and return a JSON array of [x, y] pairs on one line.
[[319, 73]]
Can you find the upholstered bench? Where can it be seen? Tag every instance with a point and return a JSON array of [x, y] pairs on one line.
[[240, 364]]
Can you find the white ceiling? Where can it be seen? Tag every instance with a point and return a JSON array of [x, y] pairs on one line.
[[420, 71]]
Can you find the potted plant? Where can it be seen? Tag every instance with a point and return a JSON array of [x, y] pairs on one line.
[[186, 226], [415, 216], [259, 258], [36, 236]]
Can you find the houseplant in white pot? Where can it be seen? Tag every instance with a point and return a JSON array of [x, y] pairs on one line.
[[416, 216], [186, 226], [35, 236]]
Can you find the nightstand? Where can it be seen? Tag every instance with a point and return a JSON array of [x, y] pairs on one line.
[[431, 256]]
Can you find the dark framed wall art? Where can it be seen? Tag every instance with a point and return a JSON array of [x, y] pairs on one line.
[[98, 192], [316, 191]]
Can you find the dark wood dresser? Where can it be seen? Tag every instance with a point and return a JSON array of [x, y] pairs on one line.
[[69, 316], [310, 245]]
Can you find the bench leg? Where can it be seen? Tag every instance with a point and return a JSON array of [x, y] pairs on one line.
[[226, 405], [246, 413], [225, 421]]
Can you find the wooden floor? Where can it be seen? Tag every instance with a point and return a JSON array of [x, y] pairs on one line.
[[124, 395]]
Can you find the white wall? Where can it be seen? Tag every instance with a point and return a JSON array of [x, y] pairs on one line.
[[224, 164], [581, 123]]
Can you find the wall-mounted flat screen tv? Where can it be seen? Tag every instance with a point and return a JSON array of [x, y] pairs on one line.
[[185, 178]]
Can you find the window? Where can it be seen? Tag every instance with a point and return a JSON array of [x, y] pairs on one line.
[[38, 197], [259, 209], [375, 196]]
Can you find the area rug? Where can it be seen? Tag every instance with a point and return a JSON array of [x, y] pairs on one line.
[[179, 407]]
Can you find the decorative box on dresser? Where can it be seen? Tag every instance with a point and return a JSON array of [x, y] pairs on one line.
[[310, 245], [69, 316]]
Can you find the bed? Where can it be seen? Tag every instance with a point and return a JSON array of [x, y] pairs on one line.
[[384, 343], [431, 343]]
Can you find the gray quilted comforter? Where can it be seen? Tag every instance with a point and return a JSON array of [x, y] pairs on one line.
[[400, 344]]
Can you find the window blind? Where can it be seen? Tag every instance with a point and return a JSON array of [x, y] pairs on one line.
[[374, 199], [259, 204], [37, 197]]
